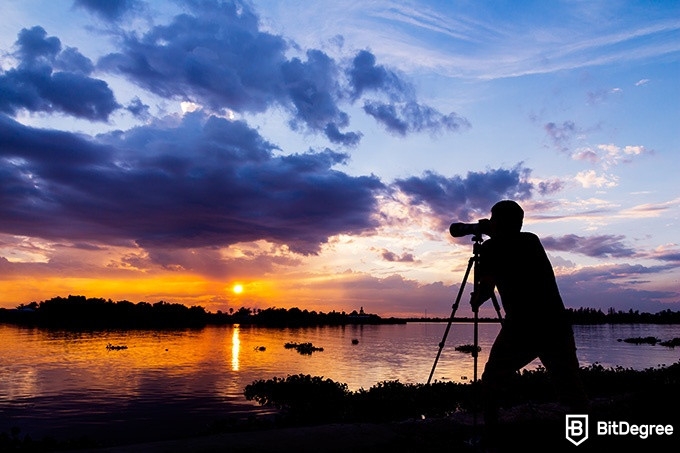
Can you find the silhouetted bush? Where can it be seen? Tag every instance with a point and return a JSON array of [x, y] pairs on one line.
[[302, 397], [323, 400]]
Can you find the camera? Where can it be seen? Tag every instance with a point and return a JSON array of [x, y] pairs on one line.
[[459, 229]]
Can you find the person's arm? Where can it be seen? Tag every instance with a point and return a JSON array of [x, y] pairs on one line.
[[485, 288], [485, 278]]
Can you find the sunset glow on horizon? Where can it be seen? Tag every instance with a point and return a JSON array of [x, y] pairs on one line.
[[263, 154]]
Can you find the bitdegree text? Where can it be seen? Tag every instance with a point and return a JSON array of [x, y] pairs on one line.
[[625, 429]]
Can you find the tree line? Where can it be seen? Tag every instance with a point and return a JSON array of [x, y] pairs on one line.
[[612, 316], [82, 312]]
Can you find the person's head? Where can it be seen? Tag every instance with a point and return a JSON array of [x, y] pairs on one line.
[[506, 217]]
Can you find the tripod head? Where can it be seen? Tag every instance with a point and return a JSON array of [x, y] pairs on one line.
[[477, 239]]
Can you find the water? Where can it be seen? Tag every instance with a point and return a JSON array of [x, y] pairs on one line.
[[63, 384]]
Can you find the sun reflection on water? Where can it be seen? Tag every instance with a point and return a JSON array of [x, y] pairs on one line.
[[235, 348]]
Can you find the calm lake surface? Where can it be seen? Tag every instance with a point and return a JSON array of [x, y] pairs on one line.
[[64, 384]]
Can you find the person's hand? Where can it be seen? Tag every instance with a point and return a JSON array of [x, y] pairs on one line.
[[475, 301]]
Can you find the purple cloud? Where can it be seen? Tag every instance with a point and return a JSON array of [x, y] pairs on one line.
[[217, 56], [595, 246], [365, 75], [465, 199], [615, 286], [204, 182], [550, 186], [48, 79], [561, 134], [111, 10], [390, 256], [413, 117]]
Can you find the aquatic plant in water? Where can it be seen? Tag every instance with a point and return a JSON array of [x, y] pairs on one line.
[[303, 348]]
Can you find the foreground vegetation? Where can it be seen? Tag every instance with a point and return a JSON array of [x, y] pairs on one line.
[[313, 399]]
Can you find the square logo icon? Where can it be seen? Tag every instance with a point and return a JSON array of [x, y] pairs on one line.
[[576, 429]]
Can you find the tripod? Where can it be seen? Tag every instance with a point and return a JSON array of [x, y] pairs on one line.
[[474, 260]]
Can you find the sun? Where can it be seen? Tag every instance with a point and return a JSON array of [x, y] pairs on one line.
[[238, 288]]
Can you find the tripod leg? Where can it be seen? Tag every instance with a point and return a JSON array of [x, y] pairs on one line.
[[453, 313], [475, 350]]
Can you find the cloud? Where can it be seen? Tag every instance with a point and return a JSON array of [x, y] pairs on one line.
[[596, 246], [138, 109], [205, 181], [216, 55], [48, 79], [365, 75], [615, 286], [390, 256], [609, 155], [312, 87], [402, 114], [561, 134], [463, 198], [413, 117], [550, 186], [111, 10], [669, 256], [590, 178], [347, 139], [649, 210]]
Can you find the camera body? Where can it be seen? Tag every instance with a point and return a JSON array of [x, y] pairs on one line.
[[460, 229]]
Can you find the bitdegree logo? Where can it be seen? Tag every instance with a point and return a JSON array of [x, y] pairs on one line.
[[576, 430], [625, 429]]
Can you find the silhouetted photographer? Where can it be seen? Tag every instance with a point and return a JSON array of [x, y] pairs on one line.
[[535, 325]]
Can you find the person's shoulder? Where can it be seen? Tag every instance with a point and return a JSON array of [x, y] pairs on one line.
[[527, 237]]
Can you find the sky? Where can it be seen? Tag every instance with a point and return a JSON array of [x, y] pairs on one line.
[[314, 154]]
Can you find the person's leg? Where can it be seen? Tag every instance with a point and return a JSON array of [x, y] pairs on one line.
[[510, 352], [561, 362]]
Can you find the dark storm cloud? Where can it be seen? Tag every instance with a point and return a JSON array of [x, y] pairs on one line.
[[72, 60], [216, 55], [365, 75], [204, 182], [466, 198], [52, 152], [595, 246], [111, 10], [201, 181], [347, 139], [33, 45], [48, 79]]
